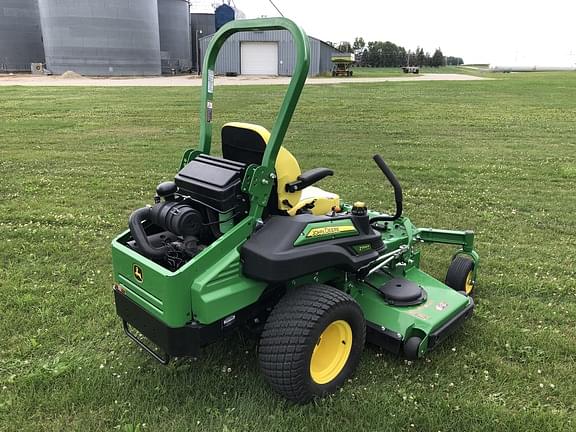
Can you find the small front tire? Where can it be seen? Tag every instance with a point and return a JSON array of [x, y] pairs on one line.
[[412, 348], [460, 275]]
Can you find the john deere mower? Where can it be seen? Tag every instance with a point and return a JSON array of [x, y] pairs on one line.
[[248, 240]]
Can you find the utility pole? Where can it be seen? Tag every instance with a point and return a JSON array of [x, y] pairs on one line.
[[198, 32]]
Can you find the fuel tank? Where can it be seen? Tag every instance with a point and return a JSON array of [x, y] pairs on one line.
[[289, 247]]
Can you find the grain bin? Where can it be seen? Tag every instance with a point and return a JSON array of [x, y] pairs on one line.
[[175, 44], [223, 14], [104, 37], [20, 35]]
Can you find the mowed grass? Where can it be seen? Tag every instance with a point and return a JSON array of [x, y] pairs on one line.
[[363, 72], [496, 156]]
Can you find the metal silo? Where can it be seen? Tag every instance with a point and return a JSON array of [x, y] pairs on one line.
[[101, 37], [174, 23], [223, 14], [20, 35]]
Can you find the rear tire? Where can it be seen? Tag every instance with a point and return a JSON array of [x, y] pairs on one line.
[[460, 275], [312, 342]]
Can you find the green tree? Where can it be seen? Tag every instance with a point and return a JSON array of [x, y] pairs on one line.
[[401, 55], [454, 61], [410, 58], [420, 57], [388, 54], [437, 58], [345, 47], [384, 54], [372, 55], [358, 45]]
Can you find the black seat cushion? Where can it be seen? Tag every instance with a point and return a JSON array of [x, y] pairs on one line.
[[247, 146], [242, 145], [402, 292]]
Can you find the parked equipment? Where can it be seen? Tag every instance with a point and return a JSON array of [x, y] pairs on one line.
[[248, 240], [411, 69], [342, 64]]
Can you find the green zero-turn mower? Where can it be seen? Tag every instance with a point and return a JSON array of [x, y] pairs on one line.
[[246, 240]]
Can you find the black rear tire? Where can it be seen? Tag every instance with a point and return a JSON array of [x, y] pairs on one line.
[[460, 275], [292, 333]]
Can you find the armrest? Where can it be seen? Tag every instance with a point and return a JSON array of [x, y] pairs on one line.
[[308, 178]]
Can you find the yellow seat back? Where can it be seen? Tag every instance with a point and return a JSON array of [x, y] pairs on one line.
[[246, 143]]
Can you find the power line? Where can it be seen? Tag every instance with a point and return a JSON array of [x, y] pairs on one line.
[[276, 7]]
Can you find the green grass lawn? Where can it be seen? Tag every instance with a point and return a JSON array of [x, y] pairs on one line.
[[391, 72], [497, 156]]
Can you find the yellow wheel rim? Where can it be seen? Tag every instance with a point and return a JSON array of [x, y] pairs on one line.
[[469, 286], [331, 352]]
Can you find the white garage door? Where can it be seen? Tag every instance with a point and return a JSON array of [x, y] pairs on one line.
[[259, 58]]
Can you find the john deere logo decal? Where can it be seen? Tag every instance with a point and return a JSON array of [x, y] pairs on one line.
[[138, 275], [330, 230]]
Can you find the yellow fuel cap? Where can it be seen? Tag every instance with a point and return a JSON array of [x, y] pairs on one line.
[[360, 204]]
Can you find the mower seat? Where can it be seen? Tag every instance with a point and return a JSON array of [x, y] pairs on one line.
[[245, 142]]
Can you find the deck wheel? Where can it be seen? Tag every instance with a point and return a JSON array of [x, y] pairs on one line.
[[412, 347], [460, 275]]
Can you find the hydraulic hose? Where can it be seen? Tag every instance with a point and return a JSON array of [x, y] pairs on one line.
[[397, 190], [139, 235]]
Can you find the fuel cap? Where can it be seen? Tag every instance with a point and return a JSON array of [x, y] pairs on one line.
[[359, 208]]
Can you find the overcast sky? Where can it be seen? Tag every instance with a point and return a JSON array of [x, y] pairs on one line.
[[484, 31]]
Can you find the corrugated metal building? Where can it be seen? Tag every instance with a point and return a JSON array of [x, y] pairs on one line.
[[267, 53], [105, 37], [174, 26], [201, 25], [20, 35]]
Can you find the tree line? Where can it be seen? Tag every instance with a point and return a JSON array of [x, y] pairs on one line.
[[388, 54]]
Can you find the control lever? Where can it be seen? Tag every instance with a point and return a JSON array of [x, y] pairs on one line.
[[397, 190]]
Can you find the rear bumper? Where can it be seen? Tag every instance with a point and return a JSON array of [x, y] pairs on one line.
[[188, 339], [174, 342]]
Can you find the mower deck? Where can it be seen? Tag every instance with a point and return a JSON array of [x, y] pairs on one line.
[[434, 319]]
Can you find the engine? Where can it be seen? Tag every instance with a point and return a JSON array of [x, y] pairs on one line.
[[203, 201]]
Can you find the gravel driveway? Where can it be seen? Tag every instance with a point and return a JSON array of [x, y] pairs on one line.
[[193, 80]]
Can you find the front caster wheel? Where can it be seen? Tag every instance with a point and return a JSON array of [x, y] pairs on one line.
[[312, 342], [412, 347], [460, 275]]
